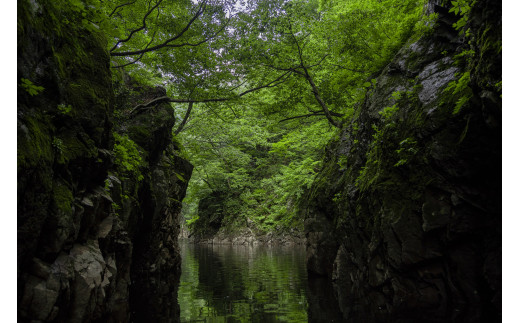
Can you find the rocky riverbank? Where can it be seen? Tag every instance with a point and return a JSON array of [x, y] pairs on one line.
[[246, 236]]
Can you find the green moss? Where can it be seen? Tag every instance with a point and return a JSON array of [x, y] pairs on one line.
[[322, 182], [84, 93], [31, 88], [489, 41], [393, 143], [62, 122], [62, 197], [81, 79], [406, 151], [85, 81], [35, 142], [489, 51], [382, 139], [69, 146], [139, 133]]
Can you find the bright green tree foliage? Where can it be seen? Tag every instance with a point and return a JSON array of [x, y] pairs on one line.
[[266, 82], [259, 166], [324, 59]]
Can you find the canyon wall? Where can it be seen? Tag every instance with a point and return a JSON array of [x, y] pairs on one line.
[[405, 216], [99, 188]]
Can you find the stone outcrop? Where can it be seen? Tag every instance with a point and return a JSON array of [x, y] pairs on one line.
[[405, 216], [150, 207], [96, 242]]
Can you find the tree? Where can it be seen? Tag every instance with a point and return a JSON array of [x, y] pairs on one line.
[[322, 61], [254, 166], [177, 44], [303, 65], [324, 55], [216, 51]]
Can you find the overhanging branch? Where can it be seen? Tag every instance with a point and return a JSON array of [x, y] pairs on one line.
[[167, 42], [140, 56], [138, 29], [314, 90], [120, 6], [282, 78]]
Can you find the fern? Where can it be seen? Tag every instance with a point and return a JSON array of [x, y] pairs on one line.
[[30, 87]]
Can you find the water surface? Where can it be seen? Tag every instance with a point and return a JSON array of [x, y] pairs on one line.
[[222, 283]]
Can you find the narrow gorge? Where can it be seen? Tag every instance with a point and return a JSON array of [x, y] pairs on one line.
[[374, 143]]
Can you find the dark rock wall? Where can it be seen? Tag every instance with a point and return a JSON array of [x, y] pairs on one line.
[[405, 217], [94, 243], [151, 206]]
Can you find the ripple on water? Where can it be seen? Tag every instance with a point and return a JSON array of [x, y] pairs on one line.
[[222, 283]]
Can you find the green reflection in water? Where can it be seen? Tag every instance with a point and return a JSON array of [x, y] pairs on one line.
[[242, 284]]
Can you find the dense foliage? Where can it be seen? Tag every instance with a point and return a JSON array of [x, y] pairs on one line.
[[258, 88], [255, 158], [254, 167]]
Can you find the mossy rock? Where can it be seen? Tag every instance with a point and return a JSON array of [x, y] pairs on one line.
[[63, 126], [34, 142]]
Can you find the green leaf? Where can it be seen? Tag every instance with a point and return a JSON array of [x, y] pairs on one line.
[[31, 88], [180, 177]]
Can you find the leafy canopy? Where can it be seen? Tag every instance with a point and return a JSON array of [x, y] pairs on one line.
[[266, 82]]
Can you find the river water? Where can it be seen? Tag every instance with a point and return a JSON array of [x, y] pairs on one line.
[[223, 283]]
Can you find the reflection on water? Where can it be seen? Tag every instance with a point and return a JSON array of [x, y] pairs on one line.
[[243, 284]]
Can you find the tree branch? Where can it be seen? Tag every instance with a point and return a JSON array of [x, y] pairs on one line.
[[206, 181], [319, 63], [121, 5], [332, 113], [140, 56], [216, 114], [315, 90], [129, 63], [270, 84], [167, 42], [232, 110], [186, 116], [320, 100], [163, 99], [138, 29]]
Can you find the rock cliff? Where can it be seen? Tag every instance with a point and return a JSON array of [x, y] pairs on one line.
[[99, 188], [405, 216]]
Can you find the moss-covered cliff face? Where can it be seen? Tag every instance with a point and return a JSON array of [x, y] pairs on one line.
[[405, 216], [98, 195]]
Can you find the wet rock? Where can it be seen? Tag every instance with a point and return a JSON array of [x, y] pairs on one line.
[[433, 78]]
